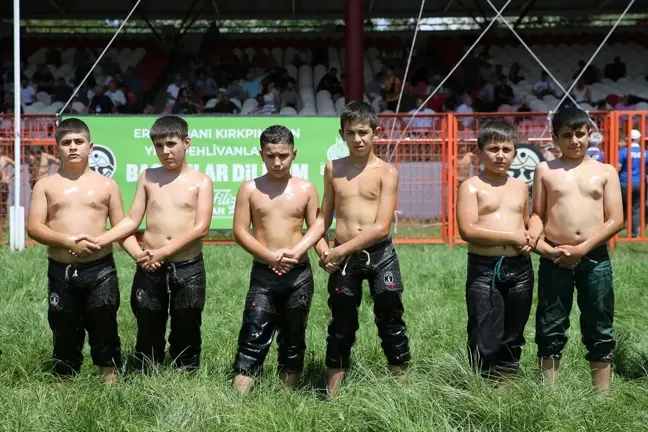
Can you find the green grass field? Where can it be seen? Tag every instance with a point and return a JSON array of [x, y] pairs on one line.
[[441, 393]]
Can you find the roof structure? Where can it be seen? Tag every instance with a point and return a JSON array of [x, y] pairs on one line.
[[309, 9]]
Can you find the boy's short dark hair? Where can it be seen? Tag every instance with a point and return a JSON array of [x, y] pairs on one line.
[[169, 126], [71, 125], [359, 112], [572, 117], [277, 134], [496, 131]]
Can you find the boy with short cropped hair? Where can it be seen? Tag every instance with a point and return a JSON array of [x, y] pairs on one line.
[[579, 201], [492, 216], [170, 277], [83, 285], [279, 297], [362, 190]]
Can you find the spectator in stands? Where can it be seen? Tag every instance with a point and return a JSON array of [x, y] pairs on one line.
[[391, 89], [466, 108], [207, 85], [591, 74], [631, 156], [270, 93], [420, 123], [374, 87], [174, 88], [615, 70], [61, 91], [582, 93], [27, 91], [100, 103], [149, 109], [184, 104], [516, 74], [290, 97], [594, 151], [234, 89], [330, 81], [224, 105], [263, 107], [43, 79], [134, 83], [7, 103], [543, 87], [252, 84], [503, 92], [117, 96], [487, 95]]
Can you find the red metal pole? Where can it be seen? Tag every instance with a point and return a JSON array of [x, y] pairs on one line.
[[354, 49]]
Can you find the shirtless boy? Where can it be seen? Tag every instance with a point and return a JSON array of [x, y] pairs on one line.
[[83, 286], [280, 292], [579, 201], [170, 277], [493, 214], [362, 190]]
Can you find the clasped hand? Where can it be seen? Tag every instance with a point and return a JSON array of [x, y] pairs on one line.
[[525, 243], [149, 259], [566, 256], [283, 260]]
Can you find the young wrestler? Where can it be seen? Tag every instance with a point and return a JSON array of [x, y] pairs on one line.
[[83, 287], [492, 215], [579, 201], [362, 190], [280, 293], [178, 203]]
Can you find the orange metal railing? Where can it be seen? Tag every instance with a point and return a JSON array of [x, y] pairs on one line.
[[434, 155]]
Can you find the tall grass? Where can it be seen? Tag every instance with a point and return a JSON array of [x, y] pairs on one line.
[[440, 393]]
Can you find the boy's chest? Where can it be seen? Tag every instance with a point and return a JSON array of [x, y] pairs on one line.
[[365, 187], [77, 198], [284, 205], [170, 197], [575, 184], [510, 200]]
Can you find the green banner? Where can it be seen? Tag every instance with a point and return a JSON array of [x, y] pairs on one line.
[[224, 148]]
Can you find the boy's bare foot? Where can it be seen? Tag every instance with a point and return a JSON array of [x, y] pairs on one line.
[[108, 374], [291, 380], [550, 369], [242, 383], [399, 372], [601, 375], [334, 378]]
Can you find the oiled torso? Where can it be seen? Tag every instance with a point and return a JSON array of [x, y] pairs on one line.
[[278, 212], [76, 207], [500, 208], [357, 195], [574, 200], [171, 203]]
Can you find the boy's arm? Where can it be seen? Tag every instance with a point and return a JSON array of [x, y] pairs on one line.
[[613, 213], [312, 211], [384, 215], [467, 217], [132, 220], [323, 221], [204, 211], [36, 224], [241, 226], [116, 214], [535, 225]]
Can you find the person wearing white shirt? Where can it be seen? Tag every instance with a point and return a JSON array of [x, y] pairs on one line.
[[421, 122], [27, 92], [117, 96], [466, 108]]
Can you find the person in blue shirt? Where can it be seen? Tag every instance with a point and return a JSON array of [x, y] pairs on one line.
[[631, 155], [594, 151]]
